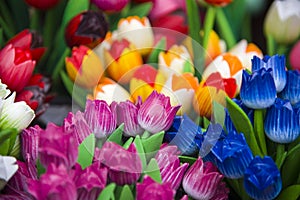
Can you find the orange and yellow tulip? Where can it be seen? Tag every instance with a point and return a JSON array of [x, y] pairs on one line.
[[145, 80], [84, 67], [214, 88], [122, 59]]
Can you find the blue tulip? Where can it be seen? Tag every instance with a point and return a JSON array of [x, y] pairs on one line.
[[229, 126], [232, 155], [292, 88], [277, 64], [262, 179], [258, 89], [185, 134], [282, 122]]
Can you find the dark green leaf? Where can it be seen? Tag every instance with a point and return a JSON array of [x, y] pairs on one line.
[[86, 151], [153, 171], [126, 193], [1, 38], [187, 159], [159, 47], [290, 167], [19, 10], [40, 168], [140, 149], [4, 147], [290, 193], [243, 125], [108, 192], [116, 136], [140, 10]]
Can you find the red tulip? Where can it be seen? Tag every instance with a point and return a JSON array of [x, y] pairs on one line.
[[16, 67], [87, 28], [42, 4], [35, 93]]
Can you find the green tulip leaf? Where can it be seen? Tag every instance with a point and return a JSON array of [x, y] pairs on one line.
[[152, 144], [116, 136], [128, 143], [140, 10], [140, 149], [159, 47], [187, 159], [243, 125], [153, 171], [126, 193], [108, 192], [291, 193], [76, 92], [73, 8], [86, 151]]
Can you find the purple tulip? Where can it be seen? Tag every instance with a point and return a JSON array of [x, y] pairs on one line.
[[57, 146], [30, 142], [202, 180], [127, 113], [77, 125], [17, 187], [149, 189], [90, 181], [110, 5], [101, 117], [56, 183], [169, 164], [124, 165], [156, 113]]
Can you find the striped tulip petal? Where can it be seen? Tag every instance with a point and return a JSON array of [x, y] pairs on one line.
[[258, 90], [291, 90], [277, 64], [201, 180]]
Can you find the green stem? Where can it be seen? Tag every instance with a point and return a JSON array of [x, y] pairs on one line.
[[270, 45], [242, 191], [145, 135], [259, 130], [282, 49], [225, 28], [59, 66], [280, 150], [193, 20], [194, 32], [35, 19], [208, 24]]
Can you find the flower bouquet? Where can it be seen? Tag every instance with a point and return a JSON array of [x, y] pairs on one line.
[[169, 100]]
